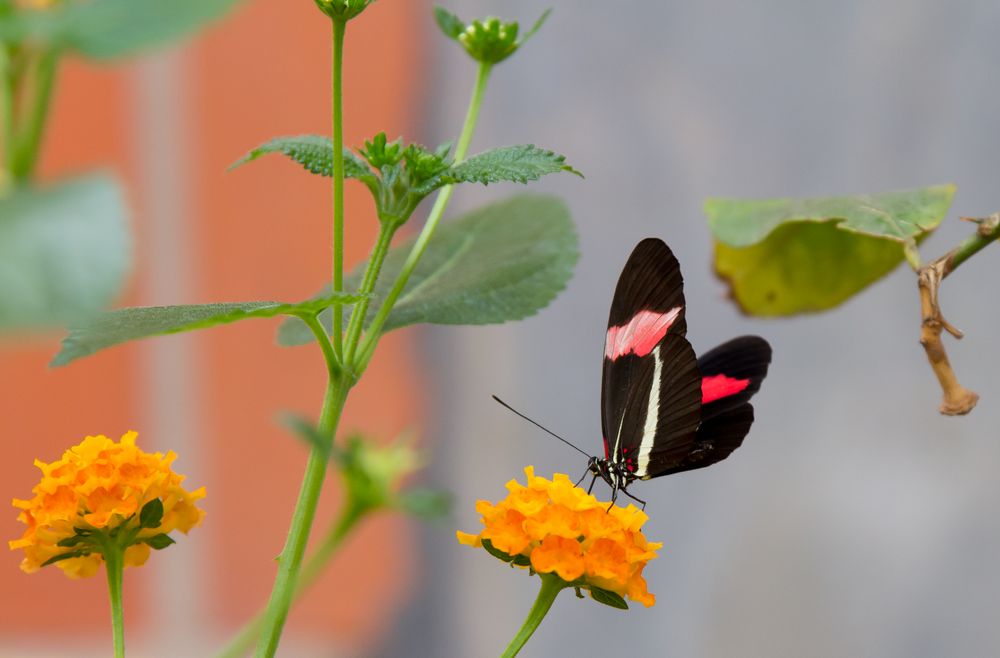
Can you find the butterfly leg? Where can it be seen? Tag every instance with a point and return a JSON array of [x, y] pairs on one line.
[[638, 500], [614, 497]]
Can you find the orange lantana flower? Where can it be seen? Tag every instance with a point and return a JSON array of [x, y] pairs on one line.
[[554, 527], [103, 489]]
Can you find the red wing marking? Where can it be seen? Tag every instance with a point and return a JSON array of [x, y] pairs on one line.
[[640, 334], [720, 386]]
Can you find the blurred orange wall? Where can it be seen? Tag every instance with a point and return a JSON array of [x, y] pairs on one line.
[[256, 233]]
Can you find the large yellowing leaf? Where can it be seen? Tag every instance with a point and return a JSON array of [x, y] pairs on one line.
[[788, 256]]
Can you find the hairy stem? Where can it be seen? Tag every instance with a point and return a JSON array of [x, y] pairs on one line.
[[25, 155], [440, 204], [114, 565], [957, 400], [290, 560], [339, 28], [6, 115], [382, 244], [551, 586], [311, 570]]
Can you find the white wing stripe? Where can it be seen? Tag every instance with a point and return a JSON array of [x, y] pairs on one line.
[[652, 416]]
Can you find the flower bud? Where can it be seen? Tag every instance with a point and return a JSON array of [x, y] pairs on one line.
[[343, 10]]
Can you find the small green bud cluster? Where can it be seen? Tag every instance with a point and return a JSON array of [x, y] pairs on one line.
[[343, 10], [488, 40]]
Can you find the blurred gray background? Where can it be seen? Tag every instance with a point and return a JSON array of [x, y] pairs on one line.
[[855, 521]]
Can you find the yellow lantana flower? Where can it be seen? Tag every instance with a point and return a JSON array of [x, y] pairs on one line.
[[554, 527], [103, 490]]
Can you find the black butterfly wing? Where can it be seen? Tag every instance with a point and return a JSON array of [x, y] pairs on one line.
[[731, 374], [650, 393]]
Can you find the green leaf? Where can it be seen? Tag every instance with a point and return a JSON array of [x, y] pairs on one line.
[[64, 556], [521, 561], [310, 435], [517, 164], [105, 29], [151, 514], [314, 153], [127, 324], [608, 598], [503, 262], [788, 256], [535, 28], [75, 540], [450, 24], [424, 503], [495, 552], [158, 542], [64, 251]]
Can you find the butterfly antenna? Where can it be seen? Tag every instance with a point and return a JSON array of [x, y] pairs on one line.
[[541, 427]]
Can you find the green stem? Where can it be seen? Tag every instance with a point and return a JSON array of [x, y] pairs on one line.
[[25, 157], [382, 244], [912, 254], [440, 204], [6, 114], [290, 559], [325, 345], [339, 28], [114, 565], [311, 570], [551, 586], [988, 233]]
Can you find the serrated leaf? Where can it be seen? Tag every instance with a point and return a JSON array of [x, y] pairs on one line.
[[608, 598], [105, 29], [313, 152], [128, 324], [64, 251], [503, 262], [151, 514], [424, 503], [450, 24], [158, 542], [64, 556], [788, 256], [495, 552], [516, 164]]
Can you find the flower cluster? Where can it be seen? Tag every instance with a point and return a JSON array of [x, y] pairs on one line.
[[555, 527], [101, 491]]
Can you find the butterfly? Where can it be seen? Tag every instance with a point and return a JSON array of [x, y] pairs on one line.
[[664, 410]]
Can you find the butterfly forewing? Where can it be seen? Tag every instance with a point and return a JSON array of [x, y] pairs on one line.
[[651, 385]]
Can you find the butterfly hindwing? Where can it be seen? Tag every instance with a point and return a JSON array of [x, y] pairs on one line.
[[731, 373]]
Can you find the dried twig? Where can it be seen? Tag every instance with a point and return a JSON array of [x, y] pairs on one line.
[[958, 400]]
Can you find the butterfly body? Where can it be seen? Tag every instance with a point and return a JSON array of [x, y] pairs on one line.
[[664, 410]]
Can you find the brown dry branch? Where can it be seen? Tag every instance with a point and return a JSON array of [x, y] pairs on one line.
[[958, 400]]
